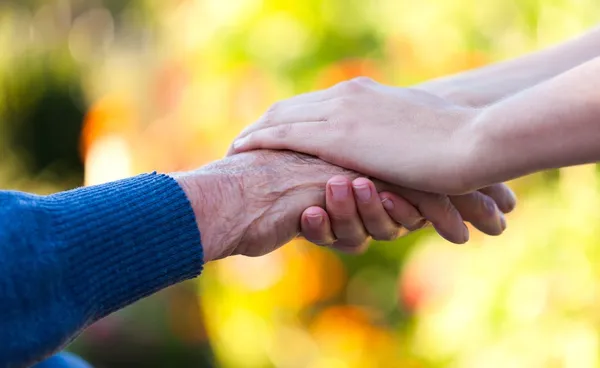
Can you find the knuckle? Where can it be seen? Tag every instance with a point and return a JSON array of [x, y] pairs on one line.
[[447, 204], [362, 80], [441, 202], [351, 86], [344, 87], [272, 111], [281, 131]]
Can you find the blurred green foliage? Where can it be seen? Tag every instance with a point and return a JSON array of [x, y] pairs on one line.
[[95, 90]]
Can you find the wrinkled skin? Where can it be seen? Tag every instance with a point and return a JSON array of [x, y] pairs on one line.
[[251, 203]]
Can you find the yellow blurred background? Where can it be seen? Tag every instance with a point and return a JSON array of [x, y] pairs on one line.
[[93, 91]]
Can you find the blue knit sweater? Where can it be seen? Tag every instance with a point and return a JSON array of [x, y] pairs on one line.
[[69, 259]]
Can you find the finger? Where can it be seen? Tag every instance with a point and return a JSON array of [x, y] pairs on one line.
[[345, 221], [302, 108], [315, 96], [347, 87], [316, 227], [307, 107], [444, 217], [290, 113], [351, 248], [401, 211], [374, 217], [505, 198], [481, 211], [304, 137], [437, 209]]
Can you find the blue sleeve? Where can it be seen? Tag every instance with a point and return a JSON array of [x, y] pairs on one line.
[[63, 360], [69, 259]]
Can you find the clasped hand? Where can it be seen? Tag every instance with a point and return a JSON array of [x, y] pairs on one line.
[[416, 143]]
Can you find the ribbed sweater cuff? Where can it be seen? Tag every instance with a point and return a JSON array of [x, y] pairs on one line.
[[125, 240]]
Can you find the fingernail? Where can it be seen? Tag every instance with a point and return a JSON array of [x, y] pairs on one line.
[[388, 204], [502, 222], [363, 192], [465, 233], [417, 224], [339, 191], [314, 220], [240, 143], [512, 200]]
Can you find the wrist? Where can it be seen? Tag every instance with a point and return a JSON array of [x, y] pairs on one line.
[[467, 146], [501, 146], [207, 192]]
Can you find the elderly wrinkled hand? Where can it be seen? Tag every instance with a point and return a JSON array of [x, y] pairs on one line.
[[348, 222], [257, 202]]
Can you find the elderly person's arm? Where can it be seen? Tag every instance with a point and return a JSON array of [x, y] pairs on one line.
[[69, 259]]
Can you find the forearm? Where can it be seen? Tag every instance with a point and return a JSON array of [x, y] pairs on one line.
[[552, 125], [71, 258], [483, 86]]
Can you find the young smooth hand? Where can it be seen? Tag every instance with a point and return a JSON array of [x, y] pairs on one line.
[[403, 136]]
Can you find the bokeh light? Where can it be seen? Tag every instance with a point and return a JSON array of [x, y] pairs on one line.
[[94, 91]]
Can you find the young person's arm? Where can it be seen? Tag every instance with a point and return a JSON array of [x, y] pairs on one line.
[[415, 139], [486, 85], [552, 125]]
